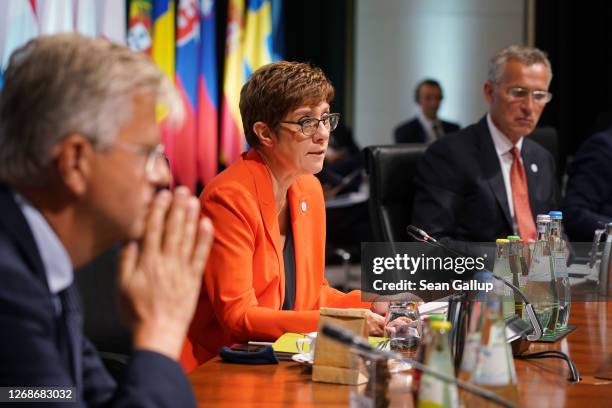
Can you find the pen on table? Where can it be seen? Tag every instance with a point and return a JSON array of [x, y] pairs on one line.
[[259, 343]]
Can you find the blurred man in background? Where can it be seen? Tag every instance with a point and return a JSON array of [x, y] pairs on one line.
[[426, 127]]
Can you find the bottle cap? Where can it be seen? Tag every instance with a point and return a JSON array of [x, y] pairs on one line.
[[514, 238], [556, 214], [501, 241], [441, 325], [436, 317], [543, 218]]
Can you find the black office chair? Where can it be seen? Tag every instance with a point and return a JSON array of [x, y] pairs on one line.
[[392, 169], [547, 137]]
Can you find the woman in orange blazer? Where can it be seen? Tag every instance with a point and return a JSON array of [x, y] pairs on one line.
[[264, 275]]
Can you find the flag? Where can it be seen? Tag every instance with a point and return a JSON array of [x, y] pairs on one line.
[[278, 30], [187, 47], [257, 36], [140, 25], [110, 20], [55, 16], [208, 104], [20, 26], [85, 17], [162, 50], [232, 139]]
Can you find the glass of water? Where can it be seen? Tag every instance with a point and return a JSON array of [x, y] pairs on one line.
[[403, 327]]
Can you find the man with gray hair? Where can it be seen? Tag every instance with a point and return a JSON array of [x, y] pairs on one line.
[[81, 168], [488, 180]]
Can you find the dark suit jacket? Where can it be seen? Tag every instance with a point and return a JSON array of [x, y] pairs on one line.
[[413, 132], [460, 188], [42, 342], [588, 201]]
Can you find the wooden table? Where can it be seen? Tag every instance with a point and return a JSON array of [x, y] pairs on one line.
[[542, 383]]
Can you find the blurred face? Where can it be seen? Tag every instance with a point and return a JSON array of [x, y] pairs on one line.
[[517, 116], [125, 178], [430, 97], [297, 153]]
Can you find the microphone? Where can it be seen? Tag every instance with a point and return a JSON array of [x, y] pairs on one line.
[[422, 236], [349, 338]]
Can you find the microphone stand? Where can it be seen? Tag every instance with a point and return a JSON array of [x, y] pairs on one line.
[[349, 338]]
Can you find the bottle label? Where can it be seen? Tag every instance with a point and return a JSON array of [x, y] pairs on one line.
[[560, 265], [540, 269], [493, 367], [434, 393]]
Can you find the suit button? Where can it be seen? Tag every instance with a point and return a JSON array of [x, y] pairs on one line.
[[304, 206], [534, 167]]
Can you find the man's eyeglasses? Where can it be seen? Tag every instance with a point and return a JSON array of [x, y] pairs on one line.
[[309, 126], [523, 93], [155, 155]]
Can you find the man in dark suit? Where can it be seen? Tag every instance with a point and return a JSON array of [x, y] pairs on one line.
[[80, 163], [488, 180], [588, 200], [426, 127]]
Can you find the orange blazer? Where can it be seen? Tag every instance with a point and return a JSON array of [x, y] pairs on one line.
[[244, 281]]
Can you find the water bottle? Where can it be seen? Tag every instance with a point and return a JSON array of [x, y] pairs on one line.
[[558, 248], [516, 267], [435, 393], [501, 268], [494, 368], [541, 287]]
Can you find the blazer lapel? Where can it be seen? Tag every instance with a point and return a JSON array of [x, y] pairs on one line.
[[265, 197], [299, 209], [492, 169], [16, 225]]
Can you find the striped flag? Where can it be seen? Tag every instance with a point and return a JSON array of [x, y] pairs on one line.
[[187, 47], [232, 139], [56, 16], [140, 25], [85, 17], [257, 35], [162, 50], [208, 104], [19, 26]]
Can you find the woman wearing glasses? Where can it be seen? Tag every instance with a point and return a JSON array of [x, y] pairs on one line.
[[264, 275]]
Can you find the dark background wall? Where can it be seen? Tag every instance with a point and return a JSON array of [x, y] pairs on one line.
[[578, 39]]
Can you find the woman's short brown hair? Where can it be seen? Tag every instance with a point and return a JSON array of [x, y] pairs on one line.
[[275, 89]]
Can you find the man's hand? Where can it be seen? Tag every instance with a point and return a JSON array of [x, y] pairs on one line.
[[160, 278]]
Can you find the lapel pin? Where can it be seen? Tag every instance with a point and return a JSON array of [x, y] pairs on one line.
[[304, 206], [534, 167]]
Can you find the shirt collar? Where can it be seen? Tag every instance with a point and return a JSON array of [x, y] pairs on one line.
[[425, 121], [502, 144], [55, 259]]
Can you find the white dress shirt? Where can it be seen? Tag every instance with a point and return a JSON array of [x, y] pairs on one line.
[[503, 147], [428, 126], [55, 259]]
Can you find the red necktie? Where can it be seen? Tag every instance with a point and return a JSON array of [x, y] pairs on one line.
[[520, 198]]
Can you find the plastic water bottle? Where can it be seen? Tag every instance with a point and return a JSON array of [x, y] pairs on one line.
[[558, 248]]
